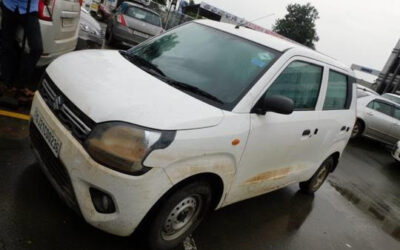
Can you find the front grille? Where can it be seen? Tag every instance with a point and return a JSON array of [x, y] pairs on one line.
[[69, 115], [54, 167]]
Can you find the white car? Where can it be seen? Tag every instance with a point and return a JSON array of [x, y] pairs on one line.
[[377, 118], [195, 119]]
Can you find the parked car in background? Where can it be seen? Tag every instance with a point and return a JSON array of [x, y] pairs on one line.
[[396, 151], [177, 126], [393, 97], [132, 24], [91, 35], [377, 118], [364, 91], [59, 24]]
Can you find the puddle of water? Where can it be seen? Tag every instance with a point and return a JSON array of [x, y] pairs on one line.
[[388, 220]]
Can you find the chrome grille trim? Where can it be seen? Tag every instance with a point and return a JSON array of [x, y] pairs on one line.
[[75, 120]]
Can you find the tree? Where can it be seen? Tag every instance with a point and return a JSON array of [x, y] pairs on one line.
[[299, 24]]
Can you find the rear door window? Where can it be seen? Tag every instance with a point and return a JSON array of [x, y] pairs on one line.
[[381, 107], [301, 82], [337, 92], [143, 15]]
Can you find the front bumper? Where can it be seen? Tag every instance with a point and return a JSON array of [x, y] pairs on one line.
[[133, 196]]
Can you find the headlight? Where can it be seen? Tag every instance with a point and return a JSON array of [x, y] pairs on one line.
[[86, 28], [123, 146]]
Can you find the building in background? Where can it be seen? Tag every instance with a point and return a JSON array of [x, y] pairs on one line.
[[389, 78]]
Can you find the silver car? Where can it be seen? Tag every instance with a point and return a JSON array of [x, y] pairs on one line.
[[91, 34], [377, 118], [393, 97], [132, 24]]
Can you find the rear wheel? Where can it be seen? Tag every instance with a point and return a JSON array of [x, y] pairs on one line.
[[357, 129], [316, 181], [179, 215], [109, 36]]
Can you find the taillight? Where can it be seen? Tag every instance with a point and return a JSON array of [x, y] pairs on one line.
[[121, 20], [46, 12], [80, 2]]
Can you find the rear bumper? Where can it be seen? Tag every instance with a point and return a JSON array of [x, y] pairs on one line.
[[125, 35]]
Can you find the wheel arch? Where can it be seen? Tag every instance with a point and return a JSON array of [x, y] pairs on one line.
[[362, 123], [335, 156], [215, 181]]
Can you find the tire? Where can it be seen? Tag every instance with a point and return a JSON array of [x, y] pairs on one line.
[[109, 37], [178, 215], [357, 129], [316, 181]]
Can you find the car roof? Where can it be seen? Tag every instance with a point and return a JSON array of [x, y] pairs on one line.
[[142, 7], [373, 97], [391, 94], [272, 41], [361, 87]]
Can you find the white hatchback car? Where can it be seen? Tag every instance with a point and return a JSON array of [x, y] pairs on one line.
[[192, 120]]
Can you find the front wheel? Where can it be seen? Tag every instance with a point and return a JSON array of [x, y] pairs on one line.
[[357, 129], [179, 215], [316, 181]]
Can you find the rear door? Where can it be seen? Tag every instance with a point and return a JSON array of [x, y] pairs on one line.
[[281, 148], [395, 130], [379, 119]]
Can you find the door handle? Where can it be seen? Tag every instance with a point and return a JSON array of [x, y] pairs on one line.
[[315, 131], [343, 128], [306, 132]]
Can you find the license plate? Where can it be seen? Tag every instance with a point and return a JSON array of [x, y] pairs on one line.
[[140, 34], [67, 22], [48, 135]]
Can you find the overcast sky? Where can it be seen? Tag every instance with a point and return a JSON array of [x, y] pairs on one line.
[[352, 31]]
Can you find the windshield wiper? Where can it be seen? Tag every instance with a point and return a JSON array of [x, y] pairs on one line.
[[141, 62], [190, 88]]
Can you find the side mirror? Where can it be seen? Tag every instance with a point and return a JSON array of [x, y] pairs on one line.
[[276, 103]]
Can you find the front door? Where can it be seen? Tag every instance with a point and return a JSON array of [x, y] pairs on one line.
[[279, 147]]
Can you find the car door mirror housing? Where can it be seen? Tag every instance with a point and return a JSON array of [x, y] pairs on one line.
[[277, 104]]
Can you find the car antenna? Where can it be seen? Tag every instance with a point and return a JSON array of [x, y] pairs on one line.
[[242, 24]]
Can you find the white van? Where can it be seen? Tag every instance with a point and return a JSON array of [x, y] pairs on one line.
[[59, 27], [192, 120]]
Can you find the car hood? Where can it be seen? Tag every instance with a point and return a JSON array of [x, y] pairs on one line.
[[107, 87]]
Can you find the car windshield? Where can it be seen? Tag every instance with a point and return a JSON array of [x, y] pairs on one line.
[[222, 65], [393, 98], [143, 15]]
